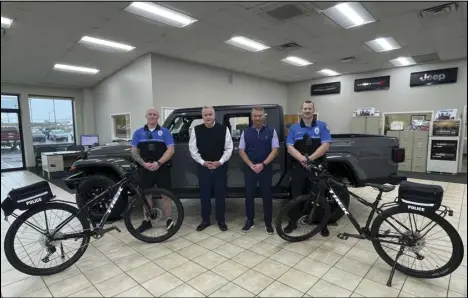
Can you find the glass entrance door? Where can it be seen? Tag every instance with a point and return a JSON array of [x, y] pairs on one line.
[[12, 138]]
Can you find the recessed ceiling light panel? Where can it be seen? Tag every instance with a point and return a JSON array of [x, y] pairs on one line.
[[106, 43], [6, 22], [160, 14], [74, 68], [349, 14], [328, 72], [383, 44], [296, 61], [247, 44], [403, 61]]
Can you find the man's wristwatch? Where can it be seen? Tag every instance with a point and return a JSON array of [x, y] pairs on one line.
[[263, 164], [159, 163]]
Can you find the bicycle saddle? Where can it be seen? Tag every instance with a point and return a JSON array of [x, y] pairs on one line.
[[381, 187]]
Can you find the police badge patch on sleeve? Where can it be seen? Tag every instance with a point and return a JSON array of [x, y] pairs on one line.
[[160, 133]]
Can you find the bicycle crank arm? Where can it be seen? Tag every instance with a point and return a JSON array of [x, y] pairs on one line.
[[345, 236], [100, 232]]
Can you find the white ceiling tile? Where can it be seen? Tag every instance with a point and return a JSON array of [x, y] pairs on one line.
[[46, 32]]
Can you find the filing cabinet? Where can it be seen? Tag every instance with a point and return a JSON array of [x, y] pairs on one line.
[[366, 125], [415, 144]]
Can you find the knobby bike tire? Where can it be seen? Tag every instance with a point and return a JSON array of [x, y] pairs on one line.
[[10, 252], [155, 191], [457, 245], [284, 215]]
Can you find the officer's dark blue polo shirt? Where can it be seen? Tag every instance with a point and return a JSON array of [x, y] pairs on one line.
[[152, 144], [318, 132], [258, 143]]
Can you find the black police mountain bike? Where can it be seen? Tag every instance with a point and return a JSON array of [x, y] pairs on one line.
[[51, 235], [410, 233]]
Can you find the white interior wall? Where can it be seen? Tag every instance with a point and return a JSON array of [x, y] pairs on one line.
[[178, 83], [337, 109], [24, 92], [127, 91]]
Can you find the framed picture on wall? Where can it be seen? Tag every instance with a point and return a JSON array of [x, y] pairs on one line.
[[120, 126], [416, 119]]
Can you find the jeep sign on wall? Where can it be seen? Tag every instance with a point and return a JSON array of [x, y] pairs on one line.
[[327, 88], [434, 77], [369, 84]]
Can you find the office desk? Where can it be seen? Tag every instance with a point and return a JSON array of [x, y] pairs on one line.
[[58, 161]]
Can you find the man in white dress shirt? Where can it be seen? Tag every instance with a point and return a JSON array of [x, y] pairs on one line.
[[211, 147]]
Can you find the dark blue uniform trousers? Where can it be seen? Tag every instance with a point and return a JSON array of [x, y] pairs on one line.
[[213, 182], [263, 179]]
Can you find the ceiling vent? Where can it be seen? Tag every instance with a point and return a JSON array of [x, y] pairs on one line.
[[426, 58], [290, 46], [348, 59], [439, 11], [286, 12]]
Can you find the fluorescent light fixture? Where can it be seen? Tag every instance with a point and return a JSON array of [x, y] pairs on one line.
[[160, 14], [403, 61], [383, 44], [296, 61], [349, 14], [246, 44], [6, 22], [73, 68], [328, 72], [106, 43]]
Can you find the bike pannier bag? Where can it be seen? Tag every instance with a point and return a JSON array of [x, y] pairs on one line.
[[30, 196], [420, 197]]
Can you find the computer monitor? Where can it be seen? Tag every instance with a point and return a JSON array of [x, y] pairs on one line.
[[89, 140]]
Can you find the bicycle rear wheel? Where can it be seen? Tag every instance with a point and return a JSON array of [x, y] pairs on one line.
[[432, 246], [312, 214], [29, 250], [166, 216]]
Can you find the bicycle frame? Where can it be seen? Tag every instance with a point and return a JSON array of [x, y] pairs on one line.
[[120, 186], [364, 232]]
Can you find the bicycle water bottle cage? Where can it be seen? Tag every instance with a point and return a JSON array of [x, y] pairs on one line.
[[27, 197], [420, 197]]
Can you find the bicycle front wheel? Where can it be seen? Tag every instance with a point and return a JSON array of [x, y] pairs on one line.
[[29, 247], [432, 247], [160, 222], [302, 217]]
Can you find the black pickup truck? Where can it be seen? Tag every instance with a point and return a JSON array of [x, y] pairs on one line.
[[356, 159]]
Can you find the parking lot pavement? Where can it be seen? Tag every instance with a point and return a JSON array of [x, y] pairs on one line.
[[11, 158]]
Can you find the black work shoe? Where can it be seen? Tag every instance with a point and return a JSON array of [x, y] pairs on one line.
[[169, 224], [290, 227], [222, 226], [248, 226], [325, 232], [145, 225], [203, 226], [269, 229]]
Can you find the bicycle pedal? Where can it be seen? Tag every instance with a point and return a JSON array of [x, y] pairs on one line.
[[343, 236], [450, 213]]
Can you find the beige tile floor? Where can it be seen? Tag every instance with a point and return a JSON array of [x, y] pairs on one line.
[[232, 264]]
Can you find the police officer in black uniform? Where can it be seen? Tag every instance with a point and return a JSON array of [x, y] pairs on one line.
[[308, 140], [152, 148]]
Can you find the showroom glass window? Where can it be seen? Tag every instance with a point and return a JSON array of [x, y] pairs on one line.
[[52, 120], [12, 134]]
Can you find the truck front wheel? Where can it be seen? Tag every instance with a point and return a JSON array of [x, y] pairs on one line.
[[93, 186]]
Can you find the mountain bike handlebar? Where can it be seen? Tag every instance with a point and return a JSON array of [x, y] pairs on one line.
[[322, 173]]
